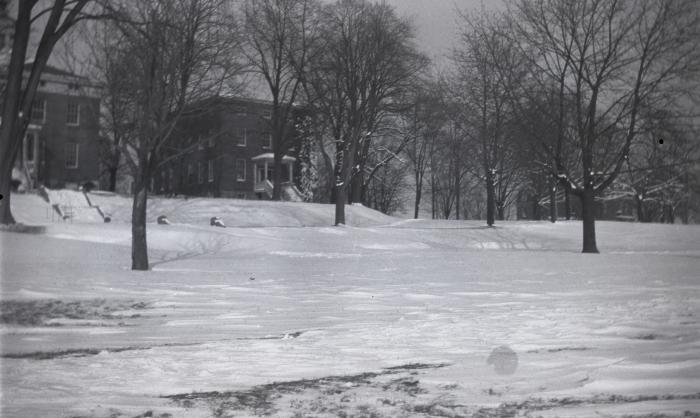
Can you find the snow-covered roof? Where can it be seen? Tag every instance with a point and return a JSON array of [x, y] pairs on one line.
[[268, 156]]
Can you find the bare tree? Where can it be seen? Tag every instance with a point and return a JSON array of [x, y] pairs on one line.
[[53, 21], [368, 61], [485, 111], [426, 120], [386, 184], [279, 38], [620, 55], [163, 55], [656, 172]]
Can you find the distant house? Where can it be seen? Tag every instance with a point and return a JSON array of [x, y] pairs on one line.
[[223, 147], [60, 148]]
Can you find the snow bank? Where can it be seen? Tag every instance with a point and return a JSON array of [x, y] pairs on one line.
[[239, 213], [30, 208]]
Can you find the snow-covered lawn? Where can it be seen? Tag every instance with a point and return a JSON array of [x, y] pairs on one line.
[[393, 318]]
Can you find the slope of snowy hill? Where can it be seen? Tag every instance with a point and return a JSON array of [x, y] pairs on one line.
[[30, 208]]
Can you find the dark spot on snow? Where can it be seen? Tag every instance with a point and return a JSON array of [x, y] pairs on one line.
[[40, 312], [648, 337], [559, 349], [418, 366], [528, 407], [504, 360], [262, 399], [23, 229], [295, 334], [114, 413], [85, 352], [80, 352], [407, 385]]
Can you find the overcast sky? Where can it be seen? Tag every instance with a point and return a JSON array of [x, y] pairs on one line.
[[436, 21]]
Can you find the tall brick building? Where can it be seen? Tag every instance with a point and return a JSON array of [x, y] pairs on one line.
[[223, 148], [60, 148]]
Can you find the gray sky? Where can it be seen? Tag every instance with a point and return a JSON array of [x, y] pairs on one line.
[[436, 21]]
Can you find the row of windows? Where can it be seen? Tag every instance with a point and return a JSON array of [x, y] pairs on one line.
[[240, 172], [38, 112], [243, 135], [240, 109], [200, 172], [71, 150]]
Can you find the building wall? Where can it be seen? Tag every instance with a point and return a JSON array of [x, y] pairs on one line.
[[55, 133], [42, 158], [219, 124]]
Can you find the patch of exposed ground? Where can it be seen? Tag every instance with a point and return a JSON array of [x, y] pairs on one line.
[[326, 396], [391, 392], [85, 352], [530, 407], [114, 413], [41, 312]]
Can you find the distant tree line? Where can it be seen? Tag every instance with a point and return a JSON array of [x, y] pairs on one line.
[[550, 99]]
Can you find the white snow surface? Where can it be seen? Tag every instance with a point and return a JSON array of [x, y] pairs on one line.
[[229, 309]]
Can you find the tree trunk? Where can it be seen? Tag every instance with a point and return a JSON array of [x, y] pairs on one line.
[[490, 200], [341, 192], [457, 196], [640, 209], [139, 246], [356, 189], [112, 186], [588, 216], [552, 200], [567, 203], [10, 128], [535, 209], [419, 191], [6, 217], [432, 195]]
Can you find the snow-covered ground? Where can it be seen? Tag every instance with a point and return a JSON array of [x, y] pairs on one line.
[[386, 318]]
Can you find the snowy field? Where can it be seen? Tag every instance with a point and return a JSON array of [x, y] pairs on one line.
[[386, 318]]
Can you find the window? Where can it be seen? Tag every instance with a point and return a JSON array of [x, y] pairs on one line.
[[267, 140], [38, 112], [200, 142], [73, 114], [210, 170], [267, 114], [212, 141], [240, 195], [239, 109], [240, 169], [190, 174], [200, 173], [242, 137], [71, 150]]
